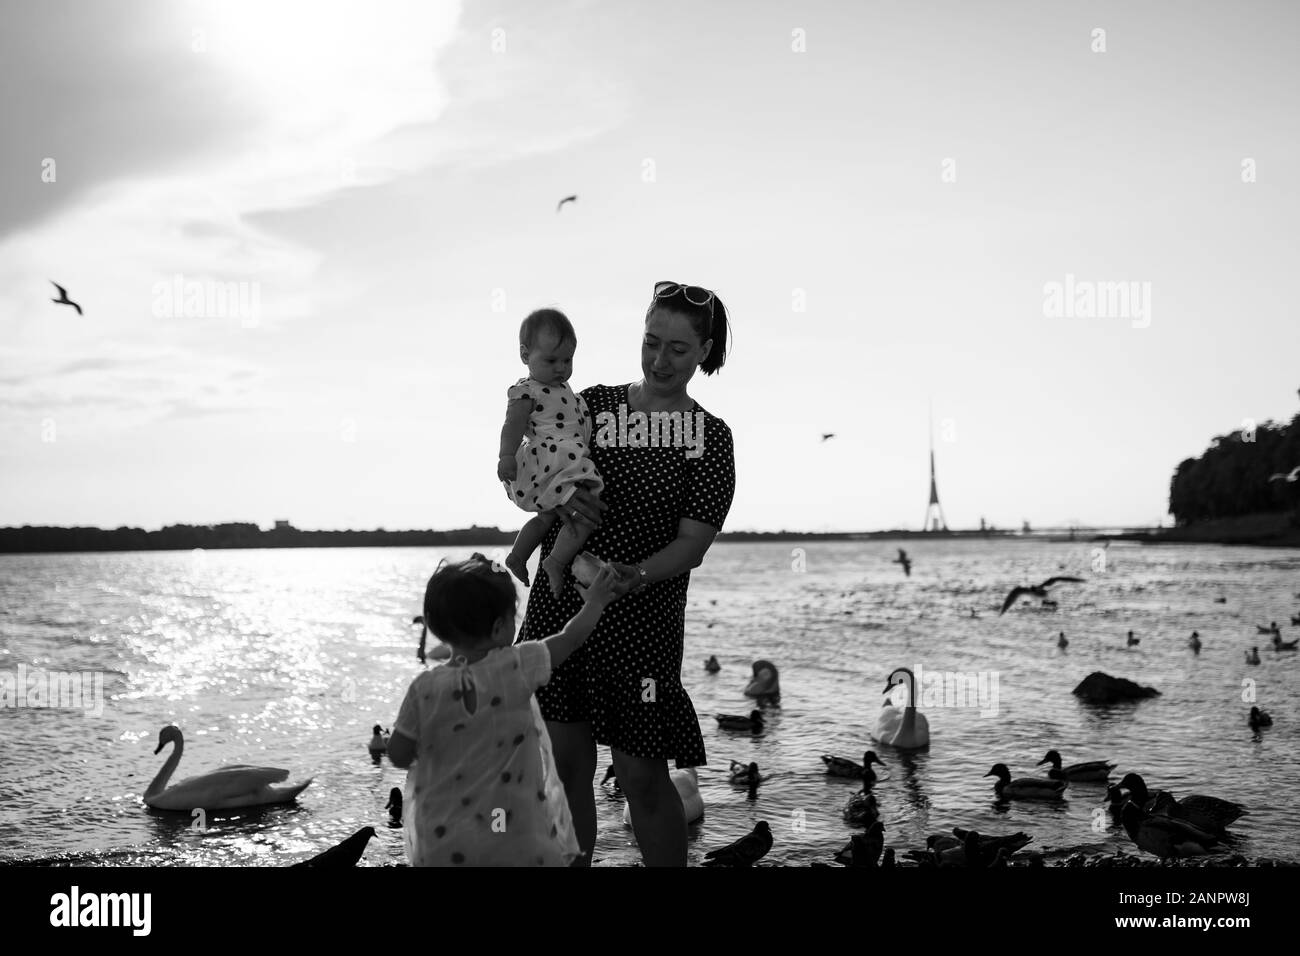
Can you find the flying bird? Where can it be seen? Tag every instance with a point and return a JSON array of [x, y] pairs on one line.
[[827, 435], [905, 561], [561, 203], [1293, 475], [1035, 590], [64, 300]]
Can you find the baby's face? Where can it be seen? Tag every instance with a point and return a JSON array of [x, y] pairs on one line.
[[551, 361]]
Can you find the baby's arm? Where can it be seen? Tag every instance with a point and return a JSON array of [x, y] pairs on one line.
[[512, 433]]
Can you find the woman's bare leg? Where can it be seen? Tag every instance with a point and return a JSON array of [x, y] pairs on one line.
[[658, 819], [575, 759]]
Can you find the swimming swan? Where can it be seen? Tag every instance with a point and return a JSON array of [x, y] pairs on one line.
[[904, 729], [238, 785]]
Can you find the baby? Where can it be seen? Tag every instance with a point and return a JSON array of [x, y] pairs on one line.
[[545, 444]]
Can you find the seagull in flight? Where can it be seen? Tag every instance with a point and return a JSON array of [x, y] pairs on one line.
[[1293, 475], [63, 298], [905, 561], [561, 203], [827, 436], [1035, 590]]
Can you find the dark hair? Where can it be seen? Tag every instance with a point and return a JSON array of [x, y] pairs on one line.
[[546, 320], [464, 600], [709, 321]]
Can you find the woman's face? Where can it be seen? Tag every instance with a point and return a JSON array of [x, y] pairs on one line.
[[670, 352]]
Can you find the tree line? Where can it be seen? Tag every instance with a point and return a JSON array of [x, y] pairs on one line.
[[1232, 477]]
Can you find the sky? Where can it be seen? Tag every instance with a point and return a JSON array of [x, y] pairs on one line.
[[902, 205]]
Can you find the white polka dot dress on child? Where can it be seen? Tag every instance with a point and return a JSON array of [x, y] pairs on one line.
[[554, 457], [483, 790], [626, 679]]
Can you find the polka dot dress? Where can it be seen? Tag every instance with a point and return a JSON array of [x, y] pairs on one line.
[[554, 457], [626, 679], [483, 790]]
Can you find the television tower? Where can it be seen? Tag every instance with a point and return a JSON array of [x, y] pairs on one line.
[[934, 520]]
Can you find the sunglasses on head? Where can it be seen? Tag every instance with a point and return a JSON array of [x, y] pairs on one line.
[[694, 294]]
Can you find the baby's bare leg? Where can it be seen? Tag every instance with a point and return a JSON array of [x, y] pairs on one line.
[[570, 541], [527, 541]]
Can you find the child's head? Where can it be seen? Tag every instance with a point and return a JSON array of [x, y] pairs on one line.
[[470, 604], [546, 345]]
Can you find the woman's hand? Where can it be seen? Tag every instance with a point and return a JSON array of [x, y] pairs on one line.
[[627, 578], [582, 508], [603, 590], [507, 470]]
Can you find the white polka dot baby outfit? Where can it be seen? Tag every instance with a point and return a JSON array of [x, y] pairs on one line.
[[554, 456]]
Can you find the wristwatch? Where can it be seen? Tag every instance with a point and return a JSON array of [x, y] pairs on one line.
[[642, 579]]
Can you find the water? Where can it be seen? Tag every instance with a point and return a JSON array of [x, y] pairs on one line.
[[287, 657]]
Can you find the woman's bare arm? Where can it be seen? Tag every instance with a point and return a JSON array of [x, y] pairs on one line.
[[684, 553]]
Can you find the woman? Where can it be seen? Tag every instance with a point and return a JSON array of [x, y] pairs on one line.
[[663, 503]]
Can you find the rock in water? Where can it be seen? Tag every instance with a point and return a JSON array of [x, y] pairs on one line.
[[1099, 688]]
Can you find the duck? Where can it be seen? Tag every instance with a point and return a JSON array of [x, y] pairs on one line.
[[1133, 641], [379, 741], [394, 807], [712, 665], [862, 809], [1194, 642], [1271, 629], [1061, 641], [1295, 620], [1093, 770], [752, 723], [864, 849], [1210, 814], [1259, 719], [237, 785], [343, 856], [765, 684], [844, 767], [1024, 788], [745, 773], [1163, 836], [1114, 800], [687, 783], [904, 729], [1281, 645], [746, 851], [1252, 656], [1009, 842], [1220, 600]]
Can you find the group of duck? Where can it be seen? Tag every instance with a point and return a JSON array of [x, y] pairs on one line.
[[1157, 822], [1252, 655]]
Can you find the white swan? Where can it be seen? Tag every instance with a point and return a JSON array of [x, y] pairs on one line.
[[687, 783], [238, 785], [905, 729]]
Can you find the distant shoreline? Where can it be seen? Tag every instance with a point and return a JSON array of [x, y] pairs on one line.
[[1261, 530], [53, 540]]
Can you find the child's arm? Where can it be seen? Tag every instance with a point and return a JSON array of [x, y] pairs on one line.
[[401, 750], [512, 433], [595, 599]]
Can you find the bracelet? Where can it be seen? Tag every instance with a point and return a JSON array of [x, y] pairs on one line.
[[642, 577]]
